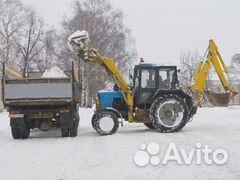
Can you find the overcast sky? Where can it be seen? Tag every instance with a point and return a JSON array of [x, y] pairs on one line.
[[163, 29]]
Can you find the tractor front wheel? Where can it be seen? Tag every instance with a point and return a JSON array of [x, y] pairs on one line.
[[106, 123], [93, 121]]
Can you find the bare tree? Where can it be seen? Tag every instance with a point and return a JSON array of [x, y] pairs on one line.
[[234, 70], [12, 19], [25, 40], [108, 34], [31, 41], [235, 62], [47, 57], [189, 62]]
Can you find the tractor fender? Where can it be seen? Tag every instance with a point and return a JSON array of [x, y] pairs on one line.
[[116, 112], [178, 92]]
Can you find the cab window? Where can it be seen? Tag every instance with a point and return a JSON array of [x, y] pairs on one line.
[[148, 79], [166, 78]]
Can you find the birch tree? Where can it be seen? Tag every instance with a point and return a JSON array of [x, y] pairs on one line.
[[108, 34], [12, 19], [31, 41]]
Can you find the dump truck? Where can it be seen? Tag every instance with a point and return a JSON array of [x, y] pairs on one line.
[[34, 101], [155, 97]]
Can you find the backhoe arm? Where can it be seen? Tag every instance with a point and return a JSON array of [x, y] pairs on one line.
[[214, 59]]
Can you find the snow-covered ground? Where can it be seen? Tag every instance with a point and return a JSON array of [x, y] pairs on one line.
[[91, 157]]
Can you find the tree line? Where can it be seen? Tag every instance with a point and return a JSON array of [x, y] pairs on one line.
[[29, 44]]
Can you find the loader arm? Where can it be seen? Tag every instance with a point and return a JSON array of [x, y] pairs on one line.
[[78, 42], [199, 78], [111, 68]]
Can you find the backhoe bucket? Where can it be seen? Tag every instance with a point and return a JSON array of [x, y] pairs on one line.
[[218, 99]]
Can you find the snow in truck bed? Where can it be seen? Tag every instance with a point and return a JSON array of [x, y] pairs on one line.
[[54, 72], [45, 155]]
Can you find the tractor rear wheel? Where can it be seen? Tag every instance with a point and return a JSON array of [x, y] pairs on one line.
[[169, 113], [106, 123]]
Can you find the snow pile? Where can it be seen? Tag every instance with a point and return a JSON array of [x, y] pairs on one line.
[[54, 72]]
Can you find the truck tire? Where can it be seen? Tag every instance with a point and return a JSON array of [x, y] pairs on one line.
[[165, 111], [25, 132], [107, 119], [74, 130], [65, 132], [21, 130], [93, 121], [15, 133], [149, 125]]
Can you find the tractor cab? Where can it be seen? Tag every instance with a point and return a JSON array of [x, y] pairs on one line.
[[149, 79]]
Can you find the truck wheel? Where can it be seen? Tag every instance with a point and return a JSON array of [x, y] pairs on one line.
[[65, 132], [168, 113], [94, 121], [149, 125], [25, 132], [106, 123], [74, 131], [15, 133]]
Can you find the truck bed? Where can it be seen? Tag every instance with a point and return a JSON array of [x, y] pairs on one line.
[[37, 90]]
